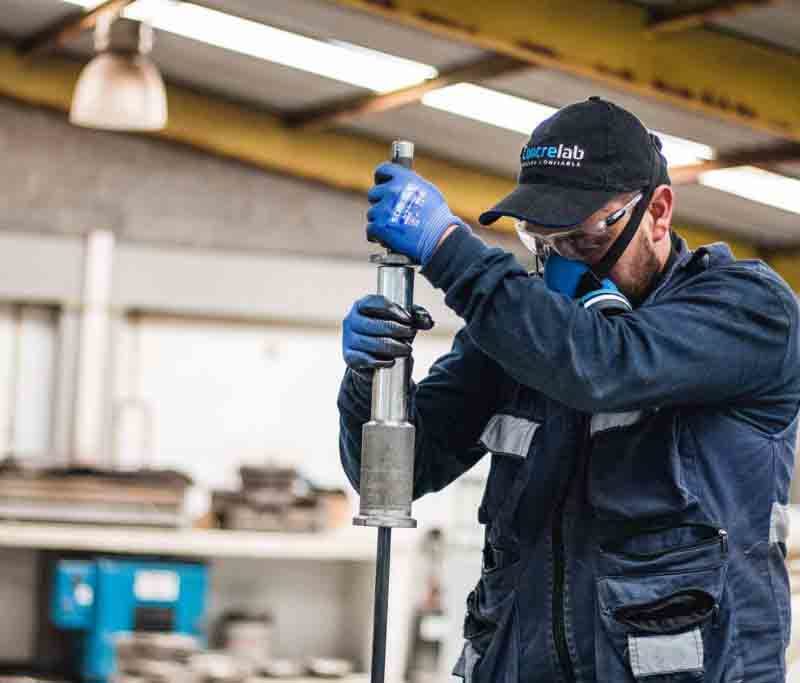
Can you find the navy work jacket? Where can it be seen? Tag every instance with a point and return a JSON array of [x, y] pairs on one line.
[[636, 506]]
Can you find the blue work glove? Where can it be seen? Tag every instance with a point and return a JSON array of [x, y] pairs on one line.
[[408, 214], [376, 331]]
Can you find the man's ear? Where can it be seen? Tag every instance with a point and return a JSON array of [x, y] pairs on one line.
[[661, 210]]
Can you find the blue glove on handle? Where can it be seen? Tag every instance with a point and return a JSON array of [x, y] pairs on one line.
[[376, 331], [408, 214]]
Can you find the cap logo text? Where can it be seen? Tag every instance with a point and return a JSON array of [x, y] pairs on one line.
[[552, 155]]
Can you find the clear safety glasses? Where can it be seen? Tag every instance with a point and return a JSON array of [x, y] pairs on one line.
[[582, 244]]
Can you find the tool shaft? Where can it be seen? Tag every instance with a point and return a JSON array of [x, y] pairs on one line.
[[390, 385], [380, 621], [396, 283], [387, 440], [387, 443]]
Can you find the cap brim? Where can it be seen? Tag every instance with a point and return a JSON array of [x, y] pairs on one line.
[[553, 206]]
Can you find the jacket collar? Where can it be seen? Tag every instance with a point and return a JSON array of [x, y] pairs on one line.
[[687, 260]]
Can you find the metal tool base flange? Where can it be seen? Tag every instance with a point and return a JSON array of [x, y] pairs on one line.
[[389, 522]]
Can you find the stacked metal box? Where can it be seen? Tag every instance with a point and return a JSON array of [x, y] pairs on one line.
[[172, 658]]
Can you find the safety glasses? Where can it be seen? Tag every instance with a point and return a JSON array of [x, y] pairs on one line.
[[582, 244]]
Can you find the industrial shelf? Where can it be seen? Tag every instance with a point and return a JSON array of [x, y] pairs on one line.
[[346, 544], [353, 678]]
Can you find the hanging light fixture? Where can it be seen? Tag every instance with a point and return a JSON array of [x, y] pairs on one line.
[[120, 88]]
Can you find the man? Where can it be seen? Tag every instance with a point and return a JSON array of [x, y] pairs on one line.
[[639, 403]]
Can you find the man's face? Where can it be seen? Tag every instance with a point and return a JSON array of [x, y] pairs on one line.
[[643, 259]]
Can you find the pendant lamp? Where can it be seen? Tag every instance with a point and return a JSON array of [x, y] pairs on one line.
[[120, 88]]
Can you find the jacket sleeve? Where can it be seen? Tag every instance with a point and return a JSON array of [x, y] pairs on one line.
[[726, 334], [449, 409]]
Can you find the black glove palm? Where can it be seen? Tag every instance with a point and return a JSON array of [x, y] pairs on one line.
[[376, 331]]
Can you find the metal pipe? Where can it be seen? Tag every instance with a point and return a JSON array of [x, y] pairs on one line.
[[381, 613], [387, 442], [390, 385]]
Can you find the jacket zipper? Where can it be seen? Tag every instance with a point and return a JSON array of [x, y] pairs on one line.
[[559, 626], [557, 530], [721, 537]]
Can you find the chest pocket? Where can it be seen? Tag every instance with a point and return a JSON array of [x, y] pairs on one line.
[[636, 470], [509, 439]]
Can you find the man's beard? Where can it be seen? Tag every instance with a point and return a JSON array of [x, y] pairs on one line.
[[643, 272]]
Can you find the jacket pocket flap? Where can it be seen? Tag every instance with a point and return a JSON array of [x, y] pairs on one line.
[[666, 654], [626, 596], [509, 435], [676, 612]]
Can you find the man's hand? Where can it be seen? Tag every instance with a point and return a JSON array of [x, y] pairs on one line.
[[376, 331], [408, 214]]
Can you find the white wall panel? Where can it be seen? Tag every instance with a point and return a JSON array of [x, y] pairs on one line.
[[252, 285], [27, 360], [37, 372], [6, 374], [39, 267], [221, 394]]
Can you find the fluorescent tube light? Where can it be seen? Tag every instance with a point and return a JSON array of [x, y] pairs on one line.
[[348, 63], [522, 116], [489, 106], [683, 152], [370, 69], [757, 185]]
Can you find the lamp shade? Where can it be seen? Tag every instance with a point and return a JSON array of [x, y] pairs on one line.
[[120, 88], [120, 92]]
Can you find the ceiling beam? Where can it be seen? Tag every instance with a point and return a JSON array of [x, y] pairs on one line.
[[69, 28], [763, 157], [668, 20], [341, 111], [334, 159], [702, 70]]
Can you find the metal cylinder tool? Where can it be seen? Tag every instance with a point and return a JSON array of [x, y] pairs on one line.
[[387, 441]]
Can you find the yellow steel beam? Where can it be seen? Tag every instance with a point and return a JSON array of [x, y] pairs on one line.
[[606, 40], [787, 263], [668, 19], [335, 159], [332, 158], [697, 236], [763, 157]]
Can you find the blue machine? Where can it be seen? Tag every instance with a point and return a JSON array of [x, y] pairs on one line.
[[103, 597]]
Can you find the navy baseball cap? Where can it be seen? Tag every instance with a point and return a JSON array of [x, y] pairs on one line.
[[577, 160]]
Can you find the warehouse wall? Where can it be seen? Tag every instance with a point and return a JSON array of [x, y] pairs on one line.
[[214, 395], [58, 179], [19, 569], [235, 283], [28, 337], [215, 257]]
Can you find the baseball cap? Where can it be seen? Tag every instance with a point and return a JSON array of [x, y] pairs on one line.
[[577, 160]]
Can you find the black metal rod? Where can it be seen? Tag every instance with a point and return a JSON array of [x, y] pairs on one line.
[[380, 625]]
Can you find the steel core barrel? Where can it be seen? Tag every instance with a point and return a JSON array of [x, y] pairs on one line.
[[387, 440]]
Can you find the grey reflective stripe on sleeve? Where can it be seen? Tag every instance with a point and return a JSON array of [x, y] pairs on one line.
[[779, 523], [458, 669], [603, 421], [471, 658], [661, 655], [465, 666], [509, 435]]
